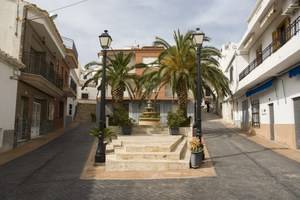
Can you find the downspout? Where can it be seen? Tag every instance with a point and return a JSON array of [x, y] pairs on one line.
[[23, 32], [17, 18]]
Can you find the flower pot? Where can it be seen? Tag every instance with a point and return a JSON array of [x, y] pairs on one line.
[[196, 159], [126, 130], [174, 131]]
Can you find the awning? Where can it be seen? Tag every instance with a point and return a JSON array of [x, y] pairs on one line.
[[260, 88], [294, 72]]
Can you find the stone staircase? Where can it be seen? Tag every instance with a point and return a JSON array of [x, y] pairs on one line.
[[147, 152], [84, 112]]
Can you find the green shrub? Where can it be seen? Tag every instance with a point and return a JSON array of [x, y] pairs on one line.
[[108, 133], [176, 120], [121, 117]]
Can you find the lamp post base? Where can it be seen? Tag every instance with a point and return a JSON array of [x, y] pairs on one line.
[[100, 156]]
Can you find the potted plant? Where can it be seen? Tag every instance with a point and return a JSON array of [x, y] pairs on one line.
[[197, 152], [122, 119], [108, 134], [175, 120]]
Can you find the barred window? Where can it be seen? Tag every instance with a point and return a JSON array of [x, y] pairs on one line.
[[255, 114]]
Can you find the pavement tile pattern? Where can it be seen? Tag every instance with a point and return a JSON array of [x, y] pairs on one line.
[[245, 170]]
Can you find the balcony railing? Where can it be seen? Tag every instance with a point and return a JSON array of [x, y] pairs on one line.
[[70, 44], [73, 86], [292, 30], [36, 64]]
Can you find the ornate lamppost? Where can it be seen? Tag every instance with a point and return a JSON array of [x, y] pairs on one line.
[[198, 38], [105, 41]]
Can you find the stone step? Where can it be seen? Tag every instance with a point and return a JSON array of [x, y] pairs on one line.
[[150, 130], [121, 154], [140, 139], [113, 164], [162, 145]]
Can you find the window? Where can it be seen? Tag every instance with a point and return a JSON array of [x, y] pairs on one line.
[[70, 109], [282, 34], [255, 113], [84, 96], [231, 74]]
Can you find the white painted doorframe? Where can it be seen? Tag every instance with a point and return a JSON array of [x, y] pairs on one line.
[[36, 119]]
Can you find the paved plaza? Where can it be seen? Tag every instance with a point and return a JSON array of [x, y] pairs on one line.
[[245, 170]]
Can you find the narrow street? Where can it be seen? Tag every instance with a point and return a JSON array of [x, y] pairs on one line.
[[244, 169]]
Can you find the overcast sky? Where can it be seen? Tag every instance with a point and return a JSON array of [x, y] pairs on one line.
[[132, 22]]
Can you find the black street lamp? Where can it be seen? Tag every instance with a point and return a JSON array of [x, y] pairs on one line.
[[198, 38], [105, 41]]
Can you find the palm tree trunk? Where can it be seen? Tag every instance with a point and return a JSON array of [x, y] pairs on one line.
[[117, 96], [182, 95]]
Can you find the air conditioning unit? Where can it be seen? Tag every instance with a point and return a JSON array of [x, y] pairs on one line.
[[292, 7]]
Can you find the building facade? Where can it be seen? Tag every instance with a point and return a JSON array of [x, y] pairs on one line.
[[30, 34], [72, 81], [163, 103], [265, 70], [9, 71]]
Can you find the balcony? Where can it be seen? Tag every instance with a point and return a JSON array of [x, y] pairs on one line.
[[73, 86], [72, 53], [41, 74], [272, 48], [71, 91]]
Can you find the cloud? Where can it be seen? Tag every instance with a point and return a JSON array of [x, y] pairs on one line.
[[132, 22]]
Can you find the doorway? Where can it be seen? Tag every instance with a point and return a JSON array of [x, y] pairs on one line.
[[23, 120], [297, 121], [245, 115], [36, 120], [272, 128]]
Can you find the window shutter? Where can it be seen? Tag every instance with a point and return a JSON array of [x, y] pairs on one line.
[[275, 37], [287, 25]]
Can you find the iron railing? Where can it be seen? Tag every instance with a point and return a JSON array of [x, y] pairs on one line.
[[73, 86], [292, 30], [37, 64], [22, 129], [70, 44]]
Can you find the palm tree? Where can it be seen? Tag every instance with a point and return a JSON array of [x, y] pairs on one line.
[[176, 67], [118, 73]]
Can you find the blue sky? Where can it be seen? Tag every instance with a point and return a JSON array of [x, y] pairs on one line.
[[132, 22]]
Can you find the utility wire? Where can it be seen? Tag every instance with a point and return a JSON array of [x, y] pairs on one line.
[[68, 6], [60, 8]]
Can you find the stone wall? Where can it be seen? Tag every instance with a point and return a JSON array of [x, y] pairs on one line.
[[84, 112]]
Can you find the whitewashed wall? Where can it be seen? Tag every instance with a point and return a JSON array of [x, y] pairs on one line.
[[281, 95], [10, 34], [8, 90]]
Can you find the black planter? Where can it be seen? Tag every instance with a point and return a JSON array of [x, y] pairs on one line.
[[196, 159], [174, 131], [126, 130]]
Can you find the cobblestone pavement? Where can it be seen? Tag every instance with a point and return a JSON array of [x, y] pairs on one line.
[[245, 171]]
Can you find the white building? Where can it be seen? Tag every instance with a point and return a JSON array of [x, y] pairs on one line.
[[29, 34], [265, 69], [9, 71]]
